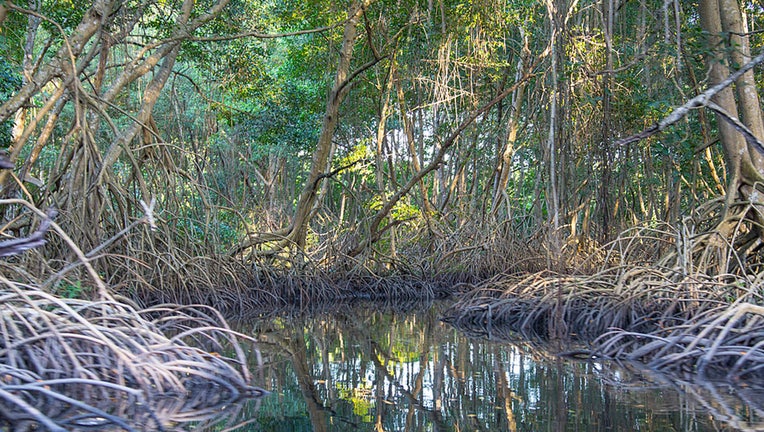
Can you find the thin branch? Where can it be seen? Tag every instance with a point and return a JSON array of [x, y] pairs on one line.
[[750, 138], [336, 171], [343, 88], [700, 101]]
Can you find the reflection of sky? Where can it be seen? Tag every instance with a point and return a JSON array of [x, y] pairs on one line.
[[465, 384]]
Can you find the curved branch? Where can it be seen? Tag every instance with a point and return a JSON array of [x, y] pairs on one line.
[[89, 25]]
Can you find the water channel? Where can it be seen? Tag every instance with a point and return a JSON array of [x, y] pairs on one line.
[[374, 368]]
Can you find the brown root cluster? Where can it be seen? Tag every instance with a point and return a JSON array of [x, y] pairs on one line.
[[723, 343], [584, 307], [696, 310], [70, 364], [99, 361]]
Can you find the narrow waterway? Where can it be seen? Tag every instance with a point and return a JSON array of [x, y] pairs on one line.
[[375, 368]]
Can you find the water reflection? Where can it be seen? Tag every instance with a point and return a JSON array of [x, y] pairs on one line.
[[365, 368]]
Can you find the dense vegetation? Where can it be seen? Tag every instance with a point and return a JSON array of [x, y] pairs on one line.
[[244, 153]]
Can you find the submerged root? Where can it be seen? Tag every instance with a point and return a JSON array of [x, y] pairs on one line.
[[723, 343], [72, 364], [638, 299], [683, 315]]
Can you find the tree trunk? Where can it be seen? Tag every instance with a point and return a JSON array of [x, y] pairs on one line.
[[308, 196], [746, 164], [744, 160], [416, 166], [33, 22], [553, 203], [508, 150], [60, 66], [740, 54], [606, 182], [384, 114]]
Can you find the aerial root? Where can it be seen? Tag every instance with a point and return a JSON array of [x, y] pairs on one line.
[[635, 298], [680, 325], [71, 364], [725, 343]]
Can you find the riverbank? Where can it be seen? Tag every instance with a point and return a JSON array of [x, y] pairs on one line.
[[696, 326]]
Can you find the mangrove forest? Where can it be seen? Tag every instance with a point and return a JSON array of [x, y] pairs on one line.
[[193, 192]]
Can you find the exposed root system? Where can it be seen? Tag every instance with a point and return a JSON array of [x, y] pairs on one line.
[[74, 364], [271, 289], [582, 306], [723, 343], [681, 316], [682, 326]]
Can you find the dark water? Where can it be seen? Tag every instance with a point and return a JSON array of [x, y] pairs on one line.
[[371, 369]]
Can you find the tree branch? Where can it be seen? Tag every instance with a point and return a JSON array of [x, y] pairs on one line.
[[700, 101], [36, 239], [750, 138]]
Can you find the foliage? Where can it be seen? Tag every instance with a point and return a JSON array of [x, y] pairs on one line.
[[227, 145], [10, 81]]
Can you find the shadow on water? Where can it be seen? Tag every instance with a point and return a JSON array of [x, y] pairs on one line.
[[369, 367]]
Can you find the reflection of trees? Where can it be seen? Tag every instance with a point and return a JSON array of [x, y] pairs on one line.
[[413, 397], [590, 389], [736, 408], [504, 395], [299, 351], [369, 370]]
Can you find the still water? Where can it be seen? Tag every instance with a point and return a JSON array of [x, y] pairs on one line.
[[372, 368]]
